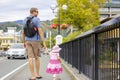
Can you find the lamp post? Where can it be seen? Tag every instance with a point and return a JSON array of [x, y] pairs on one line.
[[53, 8], [14, 34], [109, 8]]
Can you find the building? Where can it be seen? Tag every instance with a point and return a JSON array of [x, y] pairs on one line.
[[11, 30], [1, 32], [111, 8], [7, 38], [5, 42]]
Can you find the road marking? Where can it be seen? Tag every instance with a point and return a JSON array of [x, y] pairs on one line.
[[7, 75]]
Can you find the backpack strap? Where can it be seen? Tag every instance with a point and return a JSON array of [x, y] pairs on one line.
[[29, 20]]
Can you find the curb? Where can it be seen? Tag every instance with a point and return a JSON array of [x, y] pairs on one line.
[[69, 70], [74, 73]]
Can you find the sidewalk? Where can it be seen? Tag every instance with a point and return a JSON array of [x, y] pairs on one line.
[[24, 74]]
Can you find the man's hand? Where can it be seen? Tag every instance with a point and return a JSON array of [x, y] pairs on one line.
[[44, 44], [24, 45]]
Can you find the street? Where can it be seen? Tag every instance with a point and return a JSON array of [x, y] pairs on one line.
[[7, 66], [12, 70]]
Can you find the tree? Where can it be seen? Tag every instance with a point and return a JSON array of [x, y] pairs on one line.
[[82, 14]]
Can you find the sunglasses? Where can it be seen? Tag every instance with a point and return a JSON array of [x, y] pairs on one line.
[[37, 11]]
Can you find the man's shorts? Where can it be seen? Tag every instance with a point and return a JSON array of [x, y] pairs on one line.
[[33, 49]]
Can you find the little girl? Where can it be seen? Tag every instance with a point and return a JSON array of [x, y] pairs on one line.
[[54, 65]]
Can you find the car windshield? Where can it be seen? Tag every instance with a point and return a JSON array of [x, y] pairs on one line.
[[17, 46]]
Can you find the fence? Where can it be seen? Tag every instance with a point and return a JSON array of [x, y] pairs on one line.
[[96, 53]]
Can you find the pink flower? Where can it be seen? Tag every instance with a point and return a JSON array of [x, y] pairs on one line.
[[53, 26], [64, 26]]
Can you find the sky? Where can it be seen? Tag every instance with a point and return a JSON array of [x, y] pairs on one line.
[[11, 10]]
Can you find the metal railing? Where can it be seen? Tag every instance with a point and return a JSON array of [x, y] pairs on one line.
[[96, 53]]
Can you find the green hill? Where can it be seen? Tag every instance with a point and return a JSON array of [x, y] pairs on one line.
[[4, 26]]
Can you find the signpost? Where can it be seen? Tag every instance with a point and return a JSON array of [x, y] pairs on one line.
[[59, 39]]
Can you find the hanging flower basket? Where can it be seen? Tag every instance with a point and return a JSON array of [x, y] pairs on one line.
[[64, 26], [54, 26]]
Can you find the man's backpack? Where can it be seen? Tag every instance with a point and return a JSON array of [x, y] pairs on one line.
[[30, 29]]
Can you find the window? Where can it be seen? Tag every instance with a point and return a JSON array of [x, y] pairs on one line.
[[3, 41], [11, 41]]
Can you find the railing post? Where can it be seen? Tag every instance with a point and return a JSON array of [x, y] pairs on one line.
[[79, 55], [72, 53], [95, 57]]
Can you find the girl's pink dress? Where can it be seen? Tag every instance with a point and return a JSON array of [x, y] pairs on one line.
[[54, 65]]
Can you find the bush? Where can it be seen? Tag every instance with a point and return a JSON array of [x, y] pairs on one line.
[[48, 42], [71, 36]]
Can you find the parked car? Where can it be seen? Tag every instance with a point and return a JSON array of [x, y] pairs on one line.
[[16, 51], [3, 53]]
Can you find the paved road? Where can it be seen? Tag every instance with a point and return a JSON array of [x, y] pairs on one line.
[[6, 66], [1, 58], [25, 74]]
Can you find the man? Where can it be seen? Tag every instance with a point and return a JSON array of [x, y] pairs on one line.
[[32, 44]]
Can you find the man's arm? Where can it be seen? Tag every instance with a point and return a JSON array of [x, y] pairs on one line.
[[23, 36], [42, 37]]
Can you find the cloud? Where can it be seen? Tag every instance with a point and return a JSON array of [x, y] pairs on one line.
[[18, 9]]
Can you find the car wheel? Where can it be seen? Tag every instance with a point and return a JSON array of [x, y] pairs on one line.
[[8, 57], [25, 57]]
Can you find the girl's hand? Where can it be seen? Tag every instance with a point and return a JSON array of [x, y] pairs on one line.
[[59, 59]]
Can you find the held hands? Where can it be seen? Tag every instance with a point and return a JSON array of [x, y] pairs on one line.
[[46, 49]]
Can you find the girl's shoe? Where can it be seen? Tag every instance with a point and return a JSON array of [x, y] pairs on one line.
[[32, 79], [57, 78]]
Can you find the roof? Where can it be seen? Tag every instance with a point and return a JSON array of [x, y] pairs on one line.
[[12, 28], [102, 27]]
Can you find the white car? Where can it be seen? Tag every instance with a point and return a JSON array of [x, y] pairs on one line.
[[16, 51]]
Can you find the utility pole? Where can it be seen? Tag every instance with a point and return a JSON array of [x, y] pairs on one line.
[[109, 8], [50, 39]]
